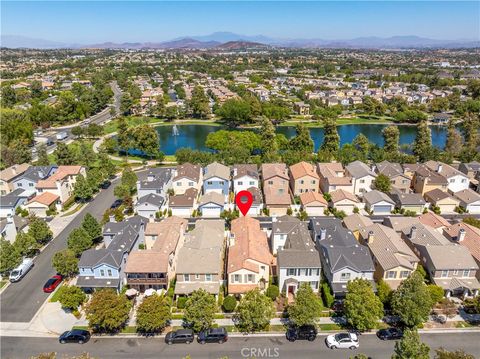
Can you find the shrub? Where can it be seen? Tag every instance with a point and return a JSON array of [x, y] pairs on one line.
[[272, 292], [327, 295], [71, 297], [229, 303], [436, 292], [181, 302]]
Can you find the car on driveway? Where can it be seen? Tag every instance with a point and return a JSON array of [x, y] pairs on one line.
[[79, 336], [116, 204], [213, 335], [304, 332], [342, 341], [52, 283], [179, 336], [390, 334]]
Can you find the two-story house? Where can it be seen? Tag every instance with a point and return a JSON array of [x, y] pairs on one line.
[[344, 201], [105, 267], [276, 188], [8, 175], [394, 171], [457, 181], [303, 178], [187, 176], [148, 205], [362, 177], [425, 180], [182, 205], [249, 258], [200, 261], [11, 201], [332, 177], [158, 181], [62, 182], [216, 178], [244, 176], [343, 258], [29, 179], [155, 266]]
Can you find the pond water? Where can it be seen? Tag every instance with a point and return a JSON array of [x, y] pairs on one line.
[[194, 136]]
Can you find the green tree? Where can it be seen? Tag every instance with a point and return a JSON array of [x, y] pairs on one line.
[[26, 244], [307, 307], [95, 177], [410, 347], [123, 138], [16, 152], [302, 142], [412, 301], [65, 263], [107, 310], [363, 308], [391, 138], [129, 179], [42, 155], [327, 295], [78, 131], [79, 240], [200, 310], [436, 292], [384, 292], [86, 155], [71, 297], [254, 311], [272, 292], [229, 303], [269, 141], [39, 230], [331, 139], [422, 146], [362, 144], [9, 97], [145, 138], [81, 189], [199, 104], [64, 155], [382, 183], [235, 112], [9, 256], [92, 227], [106, 164], [454, 142], [153, 314], [457, 354]]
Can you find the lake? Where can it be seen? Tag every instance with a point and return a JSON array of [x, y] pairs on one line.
[[193, 136]]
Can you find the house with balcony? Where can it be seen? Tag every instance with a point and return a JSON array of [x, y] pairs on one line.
[[155, 266], [216, 178], [245, 176]]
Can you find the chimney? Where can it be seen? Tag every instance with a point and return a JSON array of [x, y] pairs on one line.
[[373, 168], [439, 168], [370, 237], [40, 174], [323, 234], [461, 235], [231, 239], [111, 218], [9, 219], [413, 232]]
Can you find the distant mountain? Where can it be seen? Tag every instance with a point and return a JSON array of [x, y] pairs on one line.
[[189, 43], [241, 45], [17, 41], [230, 36]]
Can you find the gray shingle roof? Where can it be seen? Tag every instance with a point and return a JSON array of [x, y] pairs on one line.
[[359, 169], [375, 196], [152, 198]]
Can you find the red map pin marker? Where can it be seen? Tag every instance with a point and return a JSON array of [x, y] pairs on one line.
[[244, 200]]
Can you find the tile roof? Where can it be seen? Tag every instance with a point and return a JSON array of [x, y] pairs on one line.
[[276, 195], [212, 197], [189, 171], [433, 220], [437, 195], [45, 198], [186, 199], [216, 169], [442, 168], [302, 169], [356, 221], [340, 195], [60, 174], [270, 170], [334, 174], [240, 170], [376, 196], [467, 196], [13, 171], [308, 198], [471, 239]]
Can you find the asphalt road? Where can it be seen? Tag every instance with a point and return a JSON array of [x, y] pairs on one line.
[[20, 301], [254, 347]]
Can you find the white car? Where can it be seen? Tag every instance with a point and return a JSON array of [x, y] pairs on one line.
[[342, 341]]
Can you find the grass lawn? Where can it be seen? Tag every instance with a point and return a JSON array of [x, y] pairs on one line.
[[76, 209], [83, 327], [129, 330], [342, 121], [56, 294], [329, 327], [3, 282]]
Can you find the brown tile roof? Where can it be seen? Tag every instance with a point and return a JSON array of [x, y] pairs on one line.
[[329, 171], [274, 197], [311, 197], [433, 177], [270, 170], [146, 261], [45, 198], [241, 288], [183, 200], [341, 194], [471, 240], [62, 172], [356, 222], [467, 196], [302, 169], [250, 243], [436, 195], [433, 220], [189, 171], [13, 171], [241, 170]]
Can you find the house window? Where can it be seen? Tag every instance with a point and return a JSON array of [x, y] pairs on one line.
[[208, 277], [251, 183], [179, 183], [302, 182], [102, 273], [186, 277], [314, 285], [345, 276], [464, 180], [291, 271], [270, 182], [444, 274], [209, 182], [362, 181], [240, 183], [250, 278], [313, 181], [466, 273], [262, 267], [237, 278], [391, 274], [109, 271], [197, 276], [404, 273], [30, 184], [455, 272], [452, 180], [190, 183], [20, 184]]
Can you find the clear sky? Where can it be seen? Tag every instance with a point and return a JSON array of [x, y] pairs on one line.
[[128, 21]]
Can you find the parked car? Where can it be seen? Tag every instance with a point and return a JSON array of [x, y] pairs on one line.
[[304, 332], [22, 269], [342, 341], [52, 283], [213, 335], [116, 204], [390, 334], [179, 336], [105, 184], [79, 336]]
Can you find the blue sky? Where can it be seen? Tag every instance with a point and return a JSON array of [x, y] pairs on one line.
[[126, 21]]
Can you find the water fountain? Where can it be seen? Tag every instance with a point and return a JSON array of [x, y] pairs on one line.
[[175, 130]]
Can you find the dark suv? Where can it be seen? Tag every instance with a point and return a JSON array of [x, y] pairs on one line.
[[305, 332], [74, 336], [213, 335], [179, 336]]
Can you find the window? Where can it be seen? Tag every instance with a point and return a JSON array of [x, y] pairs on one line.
[[362, 181], [237, 278], [302, 181], [179, 183], [240, 183], [270, 182], [314, 285], [455, 272], [20, 184], [109, 271], [464, 180], [404, 274], [186, 277], [102, 273], [345, 276], [291, 271], [250, 278], [209, 182], [251, 183], [30, 184], [452, 180], [190, 183], [391, 274], [466, 273], [444, 274], [208, 277], [313, 181]]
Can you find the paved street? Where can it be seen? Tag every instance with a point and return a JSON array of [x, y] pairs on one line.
[[21, 300], [258, 347]]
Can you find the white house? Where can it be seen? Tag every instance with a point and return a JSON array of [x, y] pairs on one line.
[[149, 205], [469, 200], [212, 204], [244, 177], [378, 202], [457, 181], [362, 177]]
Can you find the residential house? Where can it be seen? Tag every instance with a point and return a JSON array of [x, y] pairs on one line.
[[343, 258], [148, 205], [398, 223], [434, 220], [8, 175], [276, 188], [450, 266], [257, 202], [394, 171], [43, 204], [244, 176], [212, 204], [412, 202], [444, 201], [356, 222], [29, 179], [249, 258], [105, 267], [187, 176], [457, 180], [393, 259], [332, 177], [62, 182], [425, 180], [200, 261], [362, 177], [11, 226], [184, 204], [467, 236], [344, 201], [313, 203], [303, 178], [469, 200], [298, 260], [302, 108], [11, 201], [158, 181], [216, 178], [155, 267], [472, 171], [377, 202]]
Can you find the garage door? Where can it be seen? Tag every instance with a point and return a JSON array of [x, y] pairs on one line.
[[181, 212], [210, 211], [381, 209], [474, 209]]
